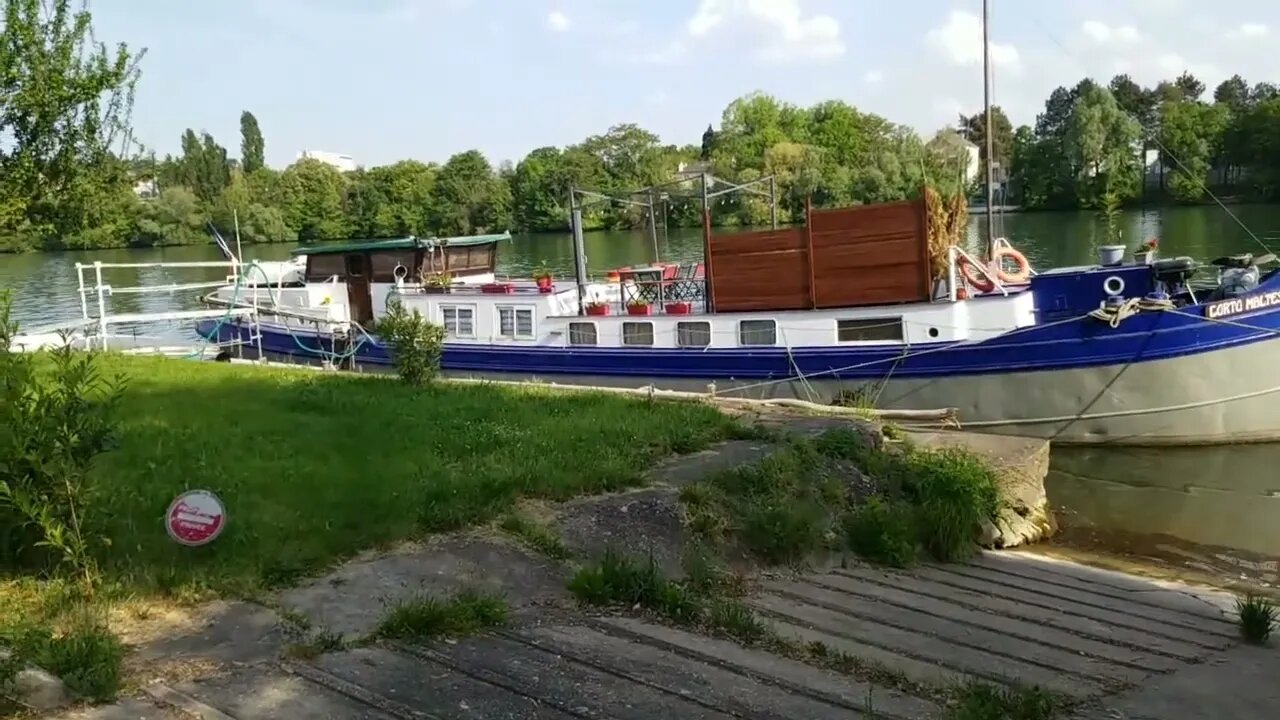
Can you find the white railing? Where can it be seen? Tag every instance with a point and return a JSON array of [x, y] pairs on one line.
[[102, 290]]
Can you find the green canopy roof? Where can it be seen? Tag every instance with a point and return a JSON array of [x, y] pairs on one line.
[[409, 243]]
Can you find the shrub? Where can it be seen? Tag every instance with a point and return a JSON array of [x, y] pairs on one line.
[[883, 532], [954, 491], [51, 429], [1256, 617], [416, 344]]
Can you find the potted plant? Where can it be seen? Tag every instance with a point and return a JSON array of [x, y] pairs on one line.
[[542, 276], [1146, 252], [437, 283], [597, 307], [638, 307], [497, 288], [679, 307]]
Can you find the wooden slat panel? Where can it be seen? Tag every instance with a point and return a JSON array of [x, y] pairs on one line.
[[764, 270], [864, 255]]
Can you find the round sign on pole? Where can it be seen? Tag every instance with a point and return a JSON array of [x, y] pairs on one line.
[[195, 517]]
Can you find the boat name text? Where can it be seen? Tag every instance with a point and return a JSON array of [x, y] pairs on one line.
[[1235, 306]]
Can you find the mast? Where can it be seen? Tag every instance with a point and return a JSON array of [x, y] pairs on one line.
[[990, 130]]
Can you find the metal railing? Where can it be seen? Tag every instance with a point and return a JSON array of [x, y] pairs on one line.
[[102, 290]]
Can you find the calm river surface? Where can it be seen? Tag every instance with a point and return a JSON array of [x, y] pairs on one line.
[[1216, 508]]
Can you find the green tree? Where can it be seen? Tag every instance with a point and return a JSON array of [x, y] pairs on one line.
[[974, 129], [252, 146], [174, 218], [312, 195], [1190, 133], [66, 104], [236, 209], [468, 197], [1102, 143], [393, 200]]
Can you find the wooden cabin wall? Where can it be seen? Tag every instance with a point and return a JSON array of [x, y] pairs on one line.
[[870, 254], [765, 270], [846, 257]]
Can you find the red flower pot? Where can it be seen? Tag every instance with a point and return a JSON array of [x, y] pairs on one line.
[[544, 282], [597, 309], [639, 310], [679, 308], [498, 288]]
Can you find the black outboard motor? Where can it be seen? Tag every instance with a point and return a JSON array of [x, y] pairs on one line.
[[1173, 275]]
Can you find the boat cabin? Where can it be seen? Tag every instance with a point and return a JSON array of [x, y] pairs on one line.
[[360, 265]]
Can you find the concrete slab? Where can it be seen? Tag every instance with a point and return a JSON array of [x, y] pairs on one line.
[[785, 674], [252, 694], [564, 684], [353, 600], [685, 469], [1050, 617], [1053, 600], [960, 633], [1239, 685], [1202, 603], [126, 709], [1014, 627], [446, 693], [1086, 593], [922, 646], [712, 685], [637, 523], [232, 632]]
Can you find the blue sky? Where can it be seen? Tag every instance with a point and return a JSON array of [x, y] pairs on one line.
[[384, 80]]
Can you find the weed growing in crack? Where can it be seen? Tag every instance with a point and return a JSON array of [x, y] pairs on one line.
[[425, 618], [982, 701], [536, 535], [1256, 617]]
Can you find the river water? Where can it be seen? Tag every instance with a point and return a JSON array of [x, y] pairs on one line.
[[1211, 510]]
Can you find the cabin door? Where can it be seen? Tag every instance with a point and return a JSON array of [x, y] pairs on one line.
[[359, 298]]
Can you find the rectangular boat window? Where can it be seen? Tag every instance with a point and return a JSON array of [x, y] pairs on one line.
[[384, 264], [869, 329], [322, 267], [757, 332], [582, 333], [637, 333], [693, 334], [515, 322], [458, 320]]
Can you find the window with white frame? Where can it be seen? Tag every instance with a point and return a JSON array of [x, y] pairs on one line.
[[637, 333], [515, 322], [459, 320], [757, 332], [869, 329], [582, 333], [693, 334]]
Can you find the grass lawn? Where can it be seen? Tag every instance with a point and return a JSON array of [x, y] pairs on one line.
[[314, 467]]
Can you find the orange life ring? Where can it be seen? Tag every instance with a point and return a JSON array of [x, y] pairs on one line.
[[1023, 272], [974, 276]]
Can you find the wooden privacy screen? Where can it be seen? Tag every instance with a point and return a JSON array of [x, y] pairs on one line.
[[864, 255]]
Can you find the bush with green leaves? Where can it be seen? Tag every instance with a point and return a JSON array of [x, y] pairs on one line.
[[416, 343], [57, 413]]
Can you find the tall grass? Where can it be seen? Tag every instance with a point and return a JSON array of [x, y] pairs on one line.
[[1256, 617], [806, 497], [426, 617]]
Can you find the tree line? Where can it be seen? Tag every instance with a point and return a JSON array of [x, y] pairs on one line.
[[73, 176]]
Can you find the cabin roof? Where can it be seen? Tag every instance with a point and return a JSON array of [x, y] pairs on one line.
[[408, 243]]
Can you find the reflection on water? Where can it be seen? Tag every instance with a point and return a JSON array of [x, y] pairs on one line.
[[1163, 502]]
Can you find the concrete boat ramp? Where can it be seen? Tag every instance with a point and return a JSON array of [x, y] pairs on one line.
[[1119, 647]]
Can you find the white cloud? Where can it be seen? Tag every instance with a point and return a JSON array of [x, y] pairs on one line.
[[873, 77], [785, 32], [558, 21], [1253, 30], [1102, 33], [960, 42]]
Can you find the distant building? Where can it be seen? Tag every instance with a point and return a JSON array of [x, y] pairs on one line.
[[146, 189], [345, 163]]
